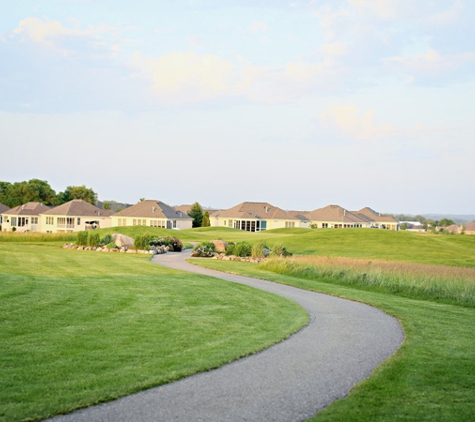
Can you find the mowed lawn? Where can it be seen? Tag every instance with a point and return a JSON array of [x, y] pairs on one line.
[[432, 376], [80, 327]]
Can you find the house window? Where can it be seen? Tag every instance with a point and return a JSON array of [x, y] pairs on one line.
[[174, 224], [49, 220], [78, 221], [324, 225], [70, 222], [13, 222], [290, 224], [34, 220], [61, 222], [22, 221], [134, 222]]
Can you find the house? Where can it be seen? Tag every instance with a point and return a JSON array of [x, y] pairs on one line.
[[152, 213], [336, 217], [254, 217], [379, 220], [3, 208], [469, 228], [453, 228], [74, 216], [24, 218]]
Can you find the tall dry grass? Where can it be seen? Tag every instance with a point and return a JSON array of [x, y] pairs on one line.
[[420, 281], [37, 237]]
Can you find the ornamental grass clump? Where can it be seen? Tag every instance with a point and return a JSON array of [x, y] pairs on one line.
[[94, 239], [81, 239], [241, 249], [259, 250]]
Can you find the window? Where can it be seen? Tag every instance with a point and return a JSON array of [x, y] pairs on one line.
[[134, 222], [13, 222], [290, 224], [324, 225], [22, 221], [174, 224], [34, 220], [61, 222], [230, 223], [70, 222], [78, 221], [49, 220]]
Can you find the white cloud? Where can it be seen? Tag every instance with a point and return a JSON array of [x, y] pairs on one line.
[[258, 27], [430, 62], [445, 17], [347, 119]]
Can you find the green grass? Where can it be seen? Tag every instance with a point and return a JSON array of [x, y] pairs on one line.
[[80, 327], [431, 377]]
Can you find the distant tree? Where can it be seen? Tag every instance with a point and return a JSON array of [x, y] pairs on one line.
[[196, 213], [118, 209], [420, 218], [34, 190], [206, 222], [403, 226], [445, 222], [106, 206], [78, 192], [141, 199]]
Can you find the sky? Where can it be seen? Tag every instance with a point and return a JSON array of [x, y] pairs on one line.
[[300, 104]]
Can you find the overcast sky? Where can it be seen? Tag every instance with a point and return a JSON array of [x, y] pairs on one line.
[[297, 103]]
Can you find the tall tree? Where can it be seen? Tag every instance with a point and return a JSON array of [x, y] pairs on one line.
[[34, 190], [78, 192], [206, 222], [196, 213]]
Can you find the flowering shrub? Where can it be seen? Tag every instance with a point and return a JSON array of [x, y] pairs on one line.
[[204, 250], [172, 242]]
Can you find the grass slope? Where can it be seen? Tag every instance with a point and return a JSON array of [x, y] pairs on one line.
[[79, 327], [431, 377]]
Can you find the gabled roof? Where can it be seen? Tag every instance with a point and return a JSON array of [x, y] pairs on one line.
[[78, 208], [3, 208], [376, 216], [185, 209], [152, 209], [30, 208], [254, 210], [453, 228], [470, 226], [335, 213]]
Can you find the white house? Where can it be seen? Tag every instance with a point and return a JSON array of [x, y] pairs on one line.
[[24, 217]]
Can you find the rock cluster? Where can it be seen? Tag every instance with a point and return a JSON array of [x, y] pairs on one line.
[[224, 257], [154, 250]]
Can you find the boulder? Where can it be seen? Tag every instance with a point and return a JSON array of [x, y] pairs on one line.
[[121, 240], [219, 245]]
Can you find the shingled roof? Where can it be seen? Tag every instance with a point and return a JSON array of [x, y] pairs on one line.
[[78, 208], [254, 210], [376, 216], [335, 213], [152, 209], [3, 208], [30, 208]]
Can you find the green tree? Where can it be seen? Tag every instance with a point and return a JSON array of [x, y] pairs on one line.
[[403, 226], [34, 190], [106, 206], [206, 222], [445, 222], [196, 213], [78, 192]]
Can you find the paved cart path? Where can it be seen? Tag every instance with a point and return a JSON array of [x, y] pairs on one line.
[[290, 381]]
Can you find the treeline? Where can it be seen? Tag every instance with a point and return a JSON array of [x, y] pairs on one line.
[[36, 190], [426, 223]]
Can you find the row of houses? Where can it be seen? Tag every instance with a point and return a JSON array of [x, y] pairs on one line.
[[78, 215]]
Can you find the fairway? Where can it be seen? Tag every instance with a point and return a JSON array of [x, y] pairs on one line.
[[80, 327]]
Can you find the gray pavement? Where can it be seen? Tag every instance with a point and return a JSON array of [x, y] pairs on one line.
[[290, 381]]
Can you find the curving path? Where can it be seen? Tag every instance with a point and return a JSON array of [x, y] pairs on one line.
[[290, 381]]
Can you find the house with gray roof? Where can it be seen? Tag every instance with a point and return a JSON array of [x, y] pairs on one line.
[[24, 218], [73, 216], [256, 217], [152, 213], [3, 208]]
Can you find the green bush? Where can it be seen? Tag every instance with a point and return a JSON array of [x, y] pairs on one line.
[[279, 250], [230, 248], [81, 239], [106, 239], [111, 245], [258, 250], [172, 242], [93, 239], [204, 250], [242, 249]]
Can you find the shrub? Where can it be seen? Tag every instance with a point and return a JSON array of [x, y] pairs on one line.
[[230, 248], [172, 242], [142, 241], [204, 250], [242, 249], [81, 239], [106, 239], [93, 239], [279, 250], [258, 250], [111, 245]]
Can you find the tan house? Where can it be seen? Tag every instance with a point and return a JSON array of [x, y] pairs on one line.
[[152, 213], [255, 217], [469, 228], [378, 220], [24, 218], [3, 208], [74, 216], [336, 217]]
